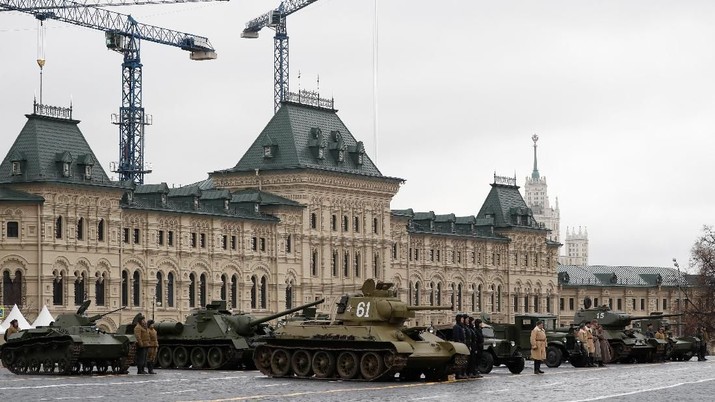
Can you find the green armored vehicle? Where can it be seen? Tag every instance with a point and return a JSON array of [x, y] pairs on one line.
[[627, 345], [213, 338], [679, 348], [72, 344], [561, 346], [366, 341]]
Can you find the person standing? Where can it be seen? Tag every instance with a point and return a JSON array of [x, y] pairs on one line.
[[153, 346], [141, 333], [583, 338], [538, 346], [597, 359], [458, 335], [590, 345], [478, 346], [704, 338], [603, 344], [12, 329]]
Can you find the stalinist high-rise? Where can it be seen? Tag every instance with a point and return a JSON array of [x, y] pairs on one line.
[[537, 198]]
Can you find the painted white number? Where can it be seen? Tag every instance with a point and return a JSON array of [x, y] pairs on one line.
[[600, 315], [363, 310]]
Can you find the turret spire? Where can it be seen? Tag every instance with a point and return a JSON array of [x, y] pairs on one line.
[[535, 173]]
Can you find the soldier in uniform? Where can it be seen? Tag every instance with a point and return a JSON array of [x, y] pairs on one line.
[[458, 335], [702, 334], [478, 347], [538, 346], [583, 337], [141, 333], [153, 346], [597, 358], [12, 329], [590, 345], [602, 343]]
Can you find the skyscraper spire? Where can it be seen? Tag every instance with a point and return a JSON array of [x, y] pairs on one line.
[[535, 173]]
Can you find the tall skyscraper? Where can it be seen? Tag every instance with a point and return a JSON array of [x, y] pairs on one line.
[[537, 198]]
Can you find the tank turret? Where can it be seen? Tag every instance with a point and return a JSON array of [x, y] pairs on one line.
[[366, 340], [213, 338], [78, 319], [611, 319]]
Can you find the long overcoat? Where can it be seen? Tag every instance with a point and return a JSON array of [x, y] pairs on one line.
[[538, 344]]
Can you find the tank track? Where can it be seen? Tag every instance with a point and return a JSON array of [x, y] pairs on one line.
[[231, 358], [335, 362]]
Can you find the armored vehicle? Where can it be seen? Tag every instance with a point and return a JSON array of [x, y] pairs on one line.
[[627, 345], [213, 338], [365, 341], [561, 346], [679, 348], [495, 351], [72, 344]]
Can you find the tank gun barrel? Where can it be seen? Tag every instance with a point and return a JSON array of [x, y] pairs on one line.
[[98, 316], [425, 308], [286, 312], [655, 316]]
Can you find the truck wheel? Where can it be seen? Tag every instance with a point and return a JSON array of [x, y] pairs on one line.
[[485, 363], [516, 366], [553, 357]]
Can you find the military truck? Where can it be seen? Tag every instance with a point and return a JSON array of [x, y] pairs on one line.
[[679, 348], [496, 351], [561, 346]]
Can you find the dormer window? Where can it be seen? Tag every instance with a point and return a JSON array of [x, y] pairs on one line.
[[65, 169], [225, 204], [360, 159], [321, 153], [255, 208], [267, 151], [341, 155], [196, 202], [163, 200], [87, 172], [16, 168]]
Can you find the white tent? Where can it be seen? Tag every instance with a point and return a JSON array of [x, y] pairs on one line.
[[43, 319], [15, 314]]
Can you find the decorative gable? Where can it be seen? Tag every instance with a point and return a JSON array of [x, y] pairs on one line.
[[269, 147], [337, 146], [317, 143], [64, 162]]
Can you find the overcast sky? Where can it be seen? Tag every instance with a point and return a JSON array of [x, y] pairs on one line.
[[621, 94]]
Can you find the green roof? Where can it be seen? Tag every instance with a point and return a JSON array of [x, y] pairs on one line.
[[505, 205], [619, 275], [9, 195], [307, 137], [43, 146]]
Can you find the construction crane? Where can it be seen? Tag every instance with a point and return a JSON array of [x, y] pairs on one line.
[[276, 19], [123, 34]]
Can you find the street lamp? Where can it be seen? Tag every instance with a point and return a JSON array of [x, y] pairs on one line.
[[680, 300]]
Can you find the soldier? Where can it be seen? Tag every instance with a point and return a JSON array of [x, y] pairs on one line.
[[702, 334], [660, 334], [153, 346], [538, 346], [590, 345], [583, 338], [603, 344], [458, 335], [12, 329], [596, 344], [649, 331], [478, 346], [469, 341], [142, 336]]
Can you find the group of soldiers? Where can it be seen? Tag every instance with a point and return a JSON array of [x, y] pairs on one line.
[[147, 344], [592, 338], [468, 330]]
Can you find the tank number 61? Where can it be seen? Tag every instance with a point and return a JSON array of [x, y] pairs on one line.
[[363, 310]]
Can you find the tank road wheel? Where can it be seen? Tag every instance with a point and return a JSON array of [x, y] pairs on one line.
[[164, 357], [87, 367], [33, 366], [323, 364], [347, 365], [8, 357], [516, 366], [76, 367], [198, 357], [371, 365], [300, 362], [63, 365], [553, 357], [280, 362], [215, 357], [262, 358], [21, 365], [181, 357], [48, 366], [102, 367], [485, 363]]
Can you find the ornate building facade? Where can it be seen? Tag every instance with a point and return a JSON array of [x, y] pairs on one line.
[[304, 214], [575, 247]]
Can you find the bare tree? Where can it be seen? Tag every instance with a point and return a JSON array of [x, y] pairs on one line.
[[703, 258]]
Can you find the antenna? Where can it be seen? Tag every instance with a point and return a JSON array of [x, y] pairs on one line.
[[41, 33]]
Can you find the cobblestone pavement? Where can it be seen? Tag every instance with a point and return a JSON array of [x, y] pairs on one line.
[[674, 381]]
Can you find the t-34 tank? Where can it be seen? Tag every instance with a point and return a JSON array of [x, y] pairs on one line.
[[72, 344], [213, 338], [365, 341], [627, 345], [681, 348]]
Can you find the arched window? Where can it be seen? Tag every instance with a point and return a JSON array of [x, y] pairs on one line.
[[477, 306], [100, 230], [526, 304], [224, 287], [202, 290], [192, 290], [12, 288], [376, 265], [314, 263], [159, 291], [136, 289], [80, 229], [289, 295], [499, 298], [335, 263], [170, 289], [536, 304], [254, 291], [409, 293], [439, 294], [417, 293], [58, 228], [58, 288], [459, 297], [357, 264], [99, 289], [452, 296], [125, 288], [346, 264], [234, 291], [79, 292], [433, 288], [264, 292]]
